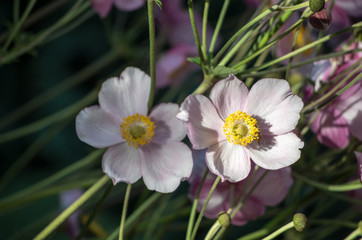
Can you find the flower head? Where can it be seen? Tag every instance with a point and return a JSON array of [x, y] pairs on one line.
[[237, 126], [139, 145], [270, 191]]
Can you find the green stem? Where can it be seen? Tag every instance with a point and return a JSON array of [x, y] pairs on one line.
[[353, 235], [136, 214], [198, 221], [4, 203], [124, 211], [280, 231], [152, 39], [353, 185], [95, 211], [204, 28], [218, 25], [72, 208], [194, 207], [54, 118], [19, 24], [194, 30]]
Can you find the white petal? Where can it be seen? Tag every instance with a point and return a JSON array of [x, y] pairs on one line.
[[97, 128], [127, 95], [228, 96], [168, 127], [275, 152], [122, 163], [274, 106], [230, 162], [165, 165], [202, 122]]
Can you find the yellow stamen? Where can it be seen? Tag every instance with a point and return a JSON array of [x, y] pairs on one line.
[[137, 130], [240, 128]]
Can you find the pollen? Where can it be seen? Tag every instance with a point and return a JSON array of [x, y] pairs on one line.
[[240, 128], [137, 130]]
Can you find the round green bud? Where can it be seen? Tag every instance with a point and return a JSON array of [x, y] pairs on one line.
[[316, 5], [300, 221], [224, 219]]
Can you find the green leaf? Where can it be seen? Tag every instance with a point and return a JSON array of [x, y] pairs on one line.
[[159, 3], [195, 60], [224, 71]]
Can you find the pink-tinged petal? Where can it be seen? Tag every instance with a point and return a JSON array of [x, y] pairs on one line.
[[251, 210], [229, 95], [275, 152], [97, 128], [129, 5], [359, 163], [331, 128], [230, 162], [274, 106], [168, 127], [350, 105], [102, 7], [274, 186], [127, 95], [202, 122], [320, 73], [122, 163], [352, 7], [165, 165]]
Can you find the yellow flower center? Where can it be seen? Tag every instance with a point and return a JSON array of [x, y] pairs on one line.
[[137, 130], [240, 128]]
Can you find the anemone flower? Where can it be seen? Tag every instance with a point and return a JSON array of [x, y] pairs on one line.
[[271, 190], [237, 126], [139, 145]]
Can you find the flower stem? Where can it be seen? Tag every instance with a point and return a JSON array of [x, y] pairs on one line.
[[124, 211], [218, 25], [72, 208], [198, 221], [280, 231], [194, 206], [152, 39], [204, 28], [353, 185]]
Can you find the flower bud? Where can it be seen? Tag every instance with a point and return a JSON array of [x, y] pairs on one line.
[[300, 221], [316, 5], [321, 20], [224, 219]]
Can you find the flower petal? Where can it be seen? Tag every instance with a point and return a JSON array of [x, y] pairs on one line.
[[127, 95], [165, 165], [129, 5], [274, 186], [229, 95], [168, 127], [331, 128], [102, 7], [274, 106], [202, 122], [251, 210], [122, 163], [230, 162], [359, 162], [97, 128], [275, 152]]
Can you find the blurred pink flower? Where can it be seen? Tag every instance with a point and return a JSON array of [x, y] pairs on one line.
[[342, 117], [139, 145], [173, 67], [359, 163], [270, 191], [102, 7], [237, 125]]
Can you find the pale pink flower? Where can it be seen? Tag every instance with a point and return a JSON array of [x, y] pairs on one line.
[[139, 145], [270, 191], [341, 118], [359, 163], [102, 7], [237, 126]]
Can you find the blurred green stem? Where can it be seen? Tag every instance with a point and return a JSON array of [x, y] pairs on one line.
[[152, 40], [218, 25], [72, 208], [204, 29], [124, 211], [279, 231]]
